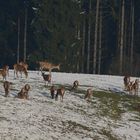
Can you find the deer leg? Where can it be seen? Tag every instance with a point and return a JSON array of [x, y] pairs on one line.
[[14, 74], [6, 93], [45, 83], [56, 96], [21, 74], [52, 94], [40, 69], [8, 73], [17, 74], [4, 77], [50, 71], [62, 98]]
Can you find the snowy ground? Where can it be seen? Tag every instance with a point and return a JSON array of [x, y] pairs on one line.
[[42, 118]]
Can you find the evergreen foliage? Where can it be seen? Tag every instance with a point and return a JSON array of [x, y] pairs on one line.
[[55, 33]]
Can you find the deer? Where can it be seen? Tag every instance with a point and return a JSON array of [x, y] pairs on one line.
[[52, 91], [20, 68], [133, 87], [3, 73], [60, 92], [75, 84], [23, 94], [6, 68], [44, 65], [88, 94], [24, 64], [6, 86], [126, 80], [46, 77]]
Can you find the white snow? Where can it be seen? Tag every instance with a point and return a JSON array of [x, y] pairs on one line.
[[42, 118]]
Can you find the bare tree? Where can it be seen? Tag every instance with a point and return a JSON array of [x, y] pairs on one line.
[[100, 41], [18, 46], [122, 38], [96, 37], [25, 33], [83, 43], [89, 32], [132, 36]]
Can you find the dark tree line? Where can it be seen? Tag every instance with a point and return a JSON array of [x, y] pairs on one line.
[[88, 36]]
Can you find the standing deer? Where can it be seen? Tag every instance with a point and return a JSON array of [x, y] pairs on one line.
[[6, 86], [133, 87], [20, 68], [46, 77], [24, 64], [6, 68], [126, 80], [52, 90], [3, 72], [44, 65], [60, 92]]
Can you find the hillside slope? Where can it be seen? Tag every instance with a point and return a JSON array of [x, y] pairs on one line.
[[109, 115]]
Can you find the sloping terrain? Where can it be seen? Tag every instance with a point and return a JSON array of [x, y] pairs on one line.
[[111, 114]]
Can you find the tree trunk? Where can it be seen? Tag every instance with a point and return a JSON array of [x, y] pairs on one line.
[[100, 42], [89, 32], [25, 34], [77, 66], [18, 39], [83, 44], [132, 37], [96, 37], [122, 39]]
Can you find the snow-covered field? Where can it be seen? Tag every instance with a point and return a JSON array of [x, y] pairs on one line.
[[42, 118]]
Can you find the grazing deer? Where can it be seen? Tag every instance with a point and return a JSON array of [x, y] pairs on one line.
[[46, 77], [3, 73], [133, 87], [126, 80], [20, 68], [60, 92], [6, 86], [75, 85], [88, 94], [23, 94], [44, 65], [52, 90]]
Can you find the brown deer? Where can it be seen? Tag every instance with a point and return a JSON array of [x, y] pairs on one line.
[[3, 73], [126, 80], [6, 86], [6, 68], [52, 91], [20, 68], [46, 77], [24, 64], [23, 94], [60, 92], [75, 85], [88, 94], [44, 65], [133, 87]]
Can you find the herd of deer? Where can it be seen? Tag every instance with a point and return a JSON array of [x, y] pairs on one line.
[[43, 65], [131, 86]]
